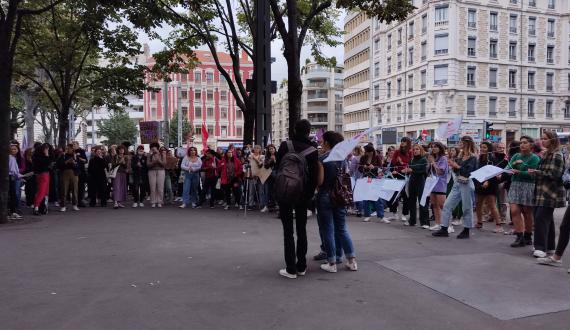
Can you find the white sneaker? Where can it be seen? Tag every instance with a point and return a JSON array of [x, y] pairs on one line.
[[63, 209], [435, 228], [227, 207], [183, 206], [393, 216], [284, 273], [373, 214], [384, 220], [141, 204], [367, 219], [329, 268], [241, 207], [456, 222], [549, 261], [404, 218], [406, 223], [153, 205], [425, 227], [56, 204], [302, 273], [159, 205], [15, 216], [75, 208], [309, 213], [539, 254], [135, 205], [352, 266], [450, 230], [263, 210]]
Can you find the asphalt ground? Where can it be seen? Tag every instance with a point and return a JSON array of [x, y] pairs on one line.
[[213, 269]]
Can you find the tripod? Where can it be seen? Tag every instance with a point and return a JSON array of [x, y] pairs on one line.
[[249, 180]]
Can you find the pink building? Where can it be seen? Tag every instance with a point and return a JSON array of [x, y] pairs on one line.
[[205, 99]]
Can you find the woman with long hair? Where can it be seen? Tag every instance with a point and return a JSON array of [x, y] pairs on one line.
[[156, 165], [521, 191], [418, 172], [139, 172], [400, 161], [191, 166], [439, 168], [371, 167], [30, 188], [42, 163], [462, 190], [357, 153], [97, 177], [486, 192], [269, 164], [231, 173], [122, 162], [548, 193]]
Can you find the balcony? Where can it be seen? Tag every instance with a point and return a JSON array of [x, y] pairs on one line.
[[493, 27], [471, 83], [513, 29], [550, 34], [410, 90], [512, 114], [441, 51], [441, 23], [548, 115], [549, 88], [532, 32], [399, 65], [532, 3], [440, 82], [470, 113], [471, 52], [320, 84], [472, 25], [551, 5], [531, 58], [493, 55], [550, 60], [512, 57], [512, 85], [410, 37], [514, 2], [493, 84], [531, 114], [531, 86], [423, 86], [424, 30], [493, 114], [399, 42]]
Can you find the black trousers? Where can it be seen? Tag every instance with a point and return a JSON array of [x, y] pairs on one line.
[[209, 186], [544, 232], [98, 189], [139, 187], [30, 190], [229, 189], [564, 236], [81, 185], [295, 259], [416, 189]]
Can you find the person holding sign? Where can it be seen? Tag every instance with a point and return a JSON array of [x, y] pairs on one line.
[[370, 166], [418, 172], [439, 167], [400, 161], [462, 190], [486, 192]]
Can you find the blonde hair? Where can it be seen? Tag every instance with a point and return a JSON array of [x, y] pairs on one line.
[[468, 147], [422, 150]]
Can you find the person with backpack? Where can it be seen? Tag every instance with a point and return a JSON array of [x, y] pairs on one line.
[[295, 184], [331, 216]]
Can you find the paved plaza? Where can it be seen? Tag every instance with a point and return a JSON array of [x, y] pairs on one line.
[[215, 269]]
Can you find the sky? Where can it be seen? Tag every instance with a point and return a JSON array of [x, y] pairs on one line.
[[278, 68]]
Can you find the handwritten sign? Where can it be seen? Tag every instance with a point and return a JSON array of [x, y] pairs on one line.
[[149, 131]]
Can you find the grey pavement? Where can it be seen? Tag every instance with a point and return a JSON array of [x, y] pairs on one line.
[[214, 269]]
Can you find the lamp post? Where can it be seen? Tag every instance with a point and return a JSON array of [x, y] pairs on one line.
[[177, 85]]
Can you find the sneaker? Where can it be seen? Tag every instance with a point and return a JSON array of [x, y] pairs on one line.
[[549, 261], [393, 216], [373, 214], [75, 208], [404, 218], [227, 207], [135, 205], [63, 209], [498, 230], [303, 273], [425, 227], [159, 205], [36, 211], [367, 219], [56, 204], [141, 204], [329, 268], [15, 216], [121, 206], [435, 228], [284, 273], [352, 266], [309, 213], [384, 220], [442, 232], [539, 254], [320, 256], [116, 206], [183, 206], [450, 230], [241, 207], [263, 210], [153, 205], [406, 223], [456, 223], [194, 205]]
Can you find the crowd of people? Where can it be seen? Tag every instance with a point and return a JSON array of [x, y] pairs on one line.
[[295, 181]]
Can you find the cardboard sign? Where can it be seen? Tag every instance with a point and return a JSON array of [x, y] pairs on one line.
[[149, 131]]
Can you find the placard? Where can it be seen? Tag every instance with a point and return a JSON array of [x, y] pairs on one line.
[[149, 131]]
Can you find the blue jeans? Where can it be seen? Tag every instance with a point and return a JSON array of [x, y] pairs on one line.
[[190, 188], [333, 229], [378, 205], [461, 192], [18, 187]]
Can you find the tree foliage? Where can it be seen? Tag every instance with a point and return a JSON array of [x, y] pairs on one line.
[[118, 128], [386, 11]]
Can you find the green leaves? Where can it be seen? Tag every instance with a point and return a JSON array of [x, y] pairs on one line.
[[118, 128], [173, 133], [387, 11]]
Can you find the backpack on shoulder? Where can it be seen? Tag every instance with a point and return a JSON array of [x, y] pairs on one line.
[[341, 194], [292, 175]]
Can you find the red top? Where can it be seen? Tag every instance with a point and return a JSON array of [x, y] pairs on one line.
[[210, 167], [401, 161], [238, 170]]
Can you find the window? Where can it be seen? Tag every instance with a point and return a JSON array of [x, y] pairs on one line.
[[209, 95], [184, 95], [210, 129], [399, 61], [531, 80], [530, 109], [512, 50], [471, 76], [424, 51], [532, 26], [514, 2], [239, 131], [422, 108], [185, 112], [549, 81], [153, 113], [183, 77], [531, 48], [512, 108], [399, 85], [423, 77], [472, 18], [223, 96], [471, 106], [550, 28], [198, 77], [493, 48], [197, 95], [376, 69], [424, 24], [223, 112], [411, 30], [224, 131], [389, 65], [210, 112], [388, 89], [389, 42], [376, 92], [377, 45], [152, 96], [441, 17], [551, 4], [548, 113], [441, 44], [410, 83], [198, 131], [512, 78], [513, 24], [411, 56], [239, 115], [567, 111], [410, 110], [492, 107], [471, 45], [223, 80], [209, 78], [440, 75], [493, 77], [532, 3], [493, 21], [399, 36], [198, 112], [550, 54]]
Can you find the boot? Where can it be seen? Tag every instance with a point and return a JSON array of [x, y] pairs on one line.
[[527, 238], [519, 241], [442, 232], [464, 234]]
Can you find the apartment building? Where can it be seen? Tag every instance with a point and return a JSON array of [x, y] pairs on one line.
[[504, 61], [357, 56], [280, 114], [204, 99]]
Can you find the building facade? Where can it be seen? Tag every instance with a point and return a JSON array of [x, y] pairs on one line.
[[204, 99], [503, 61], [280, 114]]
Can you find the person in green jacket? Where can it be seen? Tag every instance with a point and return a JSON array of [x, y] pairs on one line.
[[418, 172], [521, 192]]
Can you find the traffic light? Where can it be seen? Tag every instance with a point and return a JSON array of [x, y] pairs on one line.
[[488, 129]]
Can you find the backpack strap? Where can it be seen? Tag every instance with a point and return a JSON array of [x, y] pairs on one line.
[[307, 151], [290, 147]]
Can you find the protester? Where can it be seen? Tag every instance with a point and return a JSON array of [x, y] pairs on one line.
[[521, 191], [231, 178], [269, 164], [30, 188], [122, 163], [371, 167], [42, 163], [486, 192], [68, 166], [191, 166], [400, 161], [210, 167], [548, 193], [439, 168], [296, 258], [417, 172], [462, 190], [156, 164], [81, 159], [255, 188], [332, 218], [355, 174], [139, 173], [97, 178], [14, 178], [502, 161]]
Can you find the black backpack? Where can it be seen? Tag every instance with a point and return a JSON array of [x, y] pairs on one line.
[[341, 194], [292, 175]]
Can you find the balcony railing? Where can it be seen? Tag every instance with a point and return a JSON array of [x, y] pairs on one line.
[[531, 114], [493, 27], [410, 37], [531, 3], [531, 86], [512, 114], [441, 23], [471, 25], [424, 30], [531, 58], [471, 113], [493, 84], [550, 60], [513, 29], [423, 86], [551, 5], [549, 115], [471, 83], [551, 34], [493, 55], [471, 52], [399, 65], [532, 32], [440, 82], [549, 88], [493, 114], [424, 57], [512, 85], [441, 51], [512, 57]]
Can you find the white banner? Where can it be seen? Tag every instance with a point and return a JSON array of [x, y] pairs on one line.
[[431, 181], [368, 189], [344, 148], [487, 172]]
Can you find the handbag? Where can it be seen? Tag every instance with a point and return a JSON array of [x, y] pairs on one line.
[[341, 195]]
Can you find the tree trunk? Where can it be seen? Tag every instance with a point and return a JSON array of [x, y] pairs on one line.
[[248, 127], [63, 123], [295, 92], [30, 103], [5, 87]]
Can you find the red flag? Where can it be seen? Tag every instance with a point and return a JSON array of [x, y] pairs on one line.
[[204, 136]]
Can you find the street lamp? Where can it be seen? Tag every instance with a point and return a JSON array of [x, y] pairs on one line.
[[177, 85]]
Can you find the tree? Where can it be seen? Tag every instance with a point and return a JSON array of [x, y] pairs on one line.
[[186, 129], [118, 128]]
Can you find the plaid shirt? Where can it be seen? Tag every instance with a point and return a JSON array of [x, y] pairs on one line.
[[549, 191]]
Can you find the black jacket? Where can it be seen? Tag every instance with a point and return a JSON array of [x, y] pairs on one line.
[[41, 163], [493, 182], [97, 168], [300, 144], [136, 170]]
